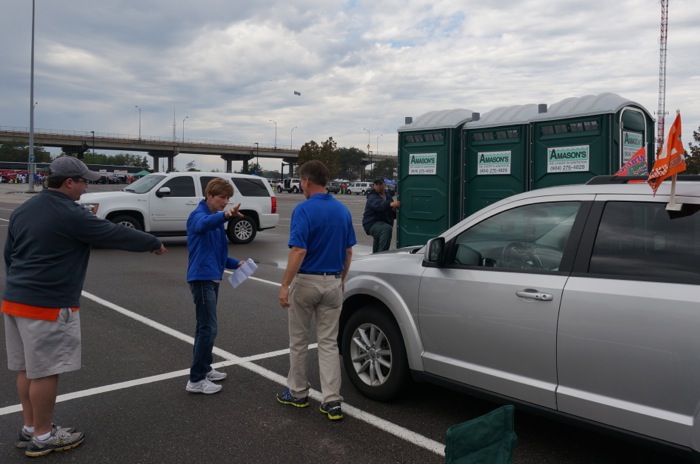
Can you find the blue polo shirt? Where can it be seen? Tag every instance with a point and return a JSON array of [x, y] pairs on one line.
[[323, 227]]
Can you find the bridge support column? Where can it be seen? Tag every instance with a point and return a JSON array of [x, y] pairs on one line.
[[230, 158], [291, 162], [168, 155]]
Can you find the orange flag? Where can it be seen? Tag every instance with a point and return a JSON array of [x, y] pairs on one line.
[[670, 160]]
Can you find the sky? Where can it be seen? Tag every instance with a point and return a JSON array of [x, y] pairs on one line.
[[227, 70]]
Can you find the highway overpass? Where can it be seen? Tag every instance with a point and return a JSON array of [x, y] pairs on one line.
[[72, 142]]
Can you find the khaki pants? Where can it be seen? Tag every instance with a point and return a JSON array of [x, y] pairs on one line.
[[320, 297]]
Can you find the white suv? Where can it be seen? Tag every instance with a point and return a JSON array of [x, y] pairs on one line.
[[360, 188], [290, 185], [161, 203]]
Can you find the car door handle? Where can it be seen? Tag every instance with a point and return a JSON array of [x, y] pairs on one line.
[[533, 294]]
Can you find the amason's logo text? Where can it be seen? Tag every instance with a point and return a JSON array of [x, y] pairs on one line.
[[494, 158], [633, 139], [567, 153], [423, 159]]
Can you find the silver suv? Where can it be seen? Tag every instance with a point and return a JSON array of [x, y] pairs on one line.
[[581, 300], [161, 203]]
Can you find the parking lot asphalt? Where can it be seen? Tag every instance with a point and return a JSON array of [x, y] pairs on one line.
[[16, 193], [129, 396]]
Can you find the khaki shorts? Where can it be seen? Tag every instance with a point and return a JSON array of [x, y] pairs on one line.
[[43, 348]]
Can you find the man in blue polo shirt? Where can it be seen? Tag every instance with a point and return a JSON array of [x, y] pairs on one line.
[[321, 238]]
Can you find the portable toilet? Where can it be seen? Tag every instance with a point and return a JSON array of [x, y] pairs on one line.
[[579, 138], [429, 172], [496, 155]]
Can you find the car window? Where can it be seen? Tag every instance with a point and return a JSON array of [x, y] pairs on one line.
[[531, 237], [145, 184], [250, 187], [644, 241], [204, 181], [181, 186]]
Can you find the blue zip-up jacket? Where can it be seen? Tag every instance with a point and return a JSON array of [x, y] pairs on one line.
[[207, 245]]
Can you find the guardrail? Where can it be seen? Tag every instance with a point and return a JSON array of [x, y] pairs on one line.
[[21, 132], [117, 137]]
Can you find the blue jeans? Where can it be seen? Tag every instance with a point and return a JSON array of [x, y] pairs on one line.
[[205, 294]]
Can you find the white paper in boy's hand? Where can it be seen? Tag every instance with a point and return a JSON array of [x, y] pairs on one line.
[[244, 271]]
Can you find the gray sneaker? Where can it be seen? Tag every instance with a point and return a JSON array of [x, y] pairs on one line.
[[59, 440], [205, 386], [215, 375], [25, 437]]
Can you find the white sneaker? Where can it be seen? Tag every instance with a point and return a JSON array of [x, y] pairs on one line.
[[215, 375], [203, 386]]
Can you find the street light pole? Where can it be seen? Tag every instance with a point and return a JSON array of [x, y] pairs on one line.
[[275, 123], [369, 153], [183, 128], [30, 160], [291, 134], [93, 143], [257, 156], [138, 108]]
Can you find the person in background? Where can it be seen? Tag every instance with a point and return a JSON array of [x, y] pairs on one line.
[[321, 238], [208, 257], [379, 215], [46, 253]]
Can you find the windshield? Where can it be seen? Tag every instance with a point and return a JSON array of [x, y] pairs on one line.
[[145, 184]]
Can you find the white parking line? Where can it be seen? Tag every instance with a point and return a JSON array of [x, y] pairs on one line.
[[233, 360]]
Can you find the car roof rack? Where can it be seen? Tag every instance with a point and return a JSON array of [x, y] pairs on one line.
[[599, 180]]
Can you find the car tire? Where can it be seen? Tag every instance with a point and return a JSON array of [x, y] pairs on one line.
[[242, 230], [128, 221], [295, 189], [279, 189], [374, 354]]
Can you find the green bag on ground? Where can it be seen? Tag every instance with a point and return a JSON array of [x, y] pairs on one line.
[[488, 439]]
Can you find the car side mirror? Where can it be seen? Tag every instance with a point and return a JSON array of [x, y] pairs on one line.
[[163, 192], [434, 254]]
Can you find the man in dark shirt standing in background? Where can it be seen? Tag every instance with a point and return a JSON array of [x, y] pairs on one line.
[[378, 219]]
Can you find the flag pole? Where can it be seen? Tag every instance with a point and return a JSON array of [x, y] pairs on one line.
[[672, 205]]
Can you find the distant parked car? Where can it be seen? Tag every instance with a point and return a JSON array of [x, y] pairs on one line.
[[333, 187], [290, 185], [359, 188]]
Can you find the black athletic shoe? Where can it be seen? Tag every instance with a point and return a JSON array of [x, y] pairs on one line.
[[286, 397], [332, 410]]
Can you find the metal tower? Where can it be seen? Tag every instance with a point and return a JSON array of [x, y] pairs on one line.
[[661, 112]]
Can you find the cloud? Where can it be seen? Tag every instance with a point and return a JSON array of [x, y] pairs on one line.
[[232, 66]]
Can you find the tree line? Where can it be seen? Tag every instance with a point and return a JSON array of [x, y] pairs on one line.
[[346, 163], [19, 152]]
